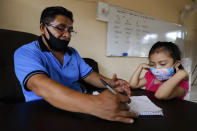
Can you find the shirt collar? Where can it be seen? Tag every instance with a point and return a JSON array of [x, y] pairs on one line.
[[44, 48]]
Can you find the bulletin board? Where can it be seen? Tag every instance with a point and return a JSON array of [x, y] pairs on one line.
[[131, 33]]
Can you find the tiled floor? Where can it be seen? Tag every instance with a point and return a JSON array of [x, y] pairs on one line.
[[193, 94]]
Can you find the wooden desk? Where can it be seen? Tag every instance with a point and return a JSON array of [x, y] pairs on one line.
[[40, 116]]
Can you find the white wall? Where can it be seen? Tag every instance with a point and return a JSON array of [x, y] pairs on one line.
[[24, 15]]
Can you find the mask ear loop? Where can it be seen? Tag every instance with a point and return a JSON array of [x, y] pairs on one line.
[[47, 32], [174, 67], [174, 64], [47, 40], [180, 67]]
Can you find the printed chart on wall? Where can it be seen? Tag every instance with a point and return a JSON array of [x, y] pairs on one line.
[[130, 33]]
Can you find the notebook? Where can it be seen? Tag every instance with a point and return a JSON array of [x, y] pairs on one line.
[[143, 106]]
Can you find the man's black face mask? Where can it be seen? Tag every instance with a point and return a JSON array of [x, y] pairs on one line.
[[56, 44]]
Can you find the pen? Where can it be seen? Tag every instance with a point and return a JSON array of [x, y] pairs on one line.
[[108, 87], [111, 90]]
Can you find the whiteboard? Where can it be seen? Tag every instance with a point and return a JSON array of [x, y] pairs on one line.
[[131, 33]]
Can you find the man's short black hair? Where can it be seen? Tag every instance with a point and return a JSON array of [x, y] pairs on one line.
[[49, 14]]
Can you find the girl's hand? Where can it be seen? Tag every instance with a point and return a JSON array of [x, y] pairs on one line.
[[183, 73], [145, 66], [177, 66]]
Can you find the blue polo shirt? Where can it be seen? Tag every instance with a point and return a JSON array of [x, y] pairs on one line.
[[35, 58]]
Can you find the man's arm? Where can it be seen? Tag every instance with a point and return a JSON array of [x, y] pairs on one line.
[[57, 94], [94, 79], [105, 105]]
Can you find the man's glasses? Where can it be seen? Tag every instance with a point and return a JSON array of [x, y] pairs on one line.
[[63, 29]]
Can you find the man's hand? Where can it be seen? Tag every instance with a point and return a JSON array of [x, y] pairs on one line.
[[120, 85], [112, 107]]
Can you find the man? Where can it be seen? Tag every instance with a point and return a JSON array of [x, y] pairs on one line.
[[49, 69]]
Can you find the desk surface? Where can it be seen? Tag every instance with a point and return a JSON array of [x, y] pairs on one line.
[[40, 116]]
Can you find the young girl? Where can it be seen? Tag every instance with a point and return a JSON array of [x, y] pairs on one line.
[[165, 75]]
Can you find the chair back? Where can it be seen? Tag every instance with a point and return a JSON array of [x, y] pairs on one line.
[[10, 90], [88, 88]]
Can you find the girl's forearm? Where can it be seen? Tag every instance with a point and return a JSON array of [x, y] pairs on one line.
[[168, 87], [135, 77]]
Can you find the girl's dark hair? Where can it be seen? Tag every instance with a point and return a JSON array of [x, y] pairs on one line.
[[170, 47], [49, 14]]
